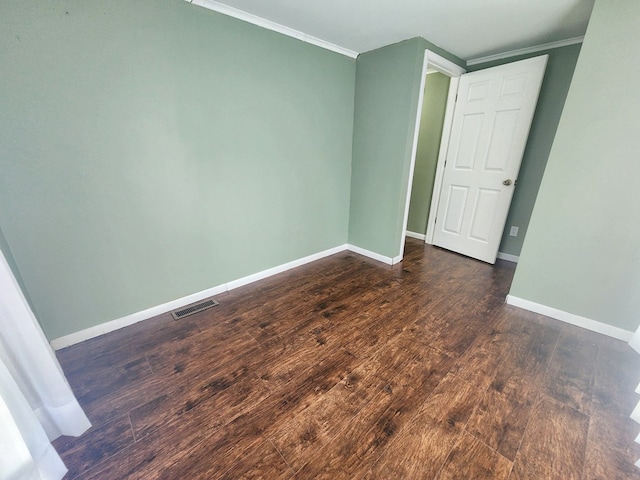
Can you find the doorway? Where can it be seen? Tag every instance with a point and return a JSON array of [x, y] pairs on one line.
[[488, 135], [434, 105], [432, 63]]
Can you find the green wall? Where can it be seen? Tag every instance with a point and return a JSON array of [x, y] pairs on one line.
[[436, 89], [581, 253], [560, 67], [150, 150], [385, 107], [8, 255], [388, 83]]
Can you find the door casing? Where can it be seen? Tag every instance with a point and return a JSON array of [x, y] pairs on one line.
[[450, 69]]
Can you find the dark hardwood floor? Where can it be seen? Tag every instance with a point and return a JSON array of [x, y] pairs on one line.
[[348, 368]]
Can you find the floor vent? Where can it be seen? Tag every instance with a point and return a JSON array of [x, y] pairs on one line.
[[193, 308]]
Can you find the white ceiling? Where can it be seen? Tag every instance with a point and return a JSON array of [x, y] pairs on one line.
[[466, 28]]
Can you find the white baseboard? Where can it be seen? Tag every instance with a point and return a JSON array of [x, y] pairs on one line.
[[419, 236], [374, 255], [284, 267], [508, 257], [101, 329], [96, 331], [82, 335], [571, 318]]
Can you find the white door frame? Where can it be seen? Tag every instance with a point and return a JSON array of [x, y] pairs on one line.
[[450, 69]]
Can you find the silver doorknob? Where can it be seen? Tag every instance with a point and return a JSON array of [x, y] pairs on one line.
[[507, 182]]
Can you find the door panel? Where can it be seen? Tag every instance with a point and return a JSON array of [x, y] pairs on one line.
[[501, 142], [468, 141], [483, 214], [491, 123], [456, 202]]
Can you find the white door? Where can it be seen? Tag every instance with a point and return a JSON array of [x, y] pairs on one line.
[[490, 127]]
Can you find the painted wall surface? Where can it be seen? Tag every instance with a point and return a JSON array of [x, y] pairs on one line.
[[6, 251], [581, 253], [8, 255], [150, 150], [553, 93], [388, 81], [431, 121]]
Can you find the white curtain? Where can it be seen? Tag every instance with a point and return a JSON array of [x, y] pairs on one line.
[[635, 344], [36, 402]]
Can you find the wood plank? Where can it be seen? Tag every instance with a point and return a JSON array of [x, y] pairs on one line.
[[287, 360], [500, 419], [456, 324], [611, 450], [210, 439], [101, 354], [111, 400], [380, 420], [616, 376], [95, 445], [232, 400], [90, 388], [318, 423], [531, 351], [368, 331], [554, 444], [165, 457], [502, 416], [570, 375], [512, 347], [488, 353], [203, 349], [422, 447], [309, 281], [470, 458], [262, 461], [346, 290]]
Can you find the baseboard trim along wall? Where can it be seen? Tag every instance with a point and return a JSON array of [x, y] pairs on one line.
[[571, 318], [284, 267], [508, 257], [419, 236], [82, 335], [119, 323], [396, 259], [374, 255]]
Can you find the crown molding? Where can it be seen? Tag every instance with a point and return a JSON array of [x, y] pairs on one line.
[[269, 25], [524, 51]]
